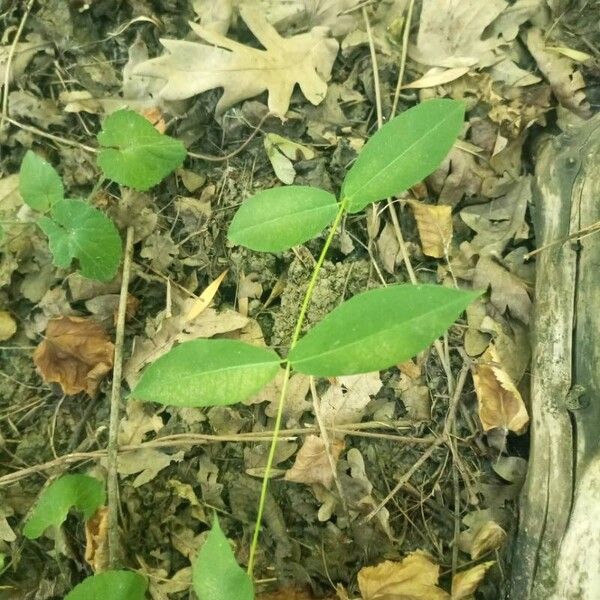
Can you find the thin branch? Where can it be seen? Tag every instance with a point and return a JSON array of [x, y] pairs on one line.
[[9, 60], [115, 410]]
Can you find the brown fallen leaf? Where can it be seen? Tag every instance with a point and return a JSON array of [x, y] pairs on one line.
[[414, 578], [508, 291], [500, 403], [76, 353], [490, 536], [434, 223], [465, 583], [242, 71], [96, 540], [565, 78], [312, 463]]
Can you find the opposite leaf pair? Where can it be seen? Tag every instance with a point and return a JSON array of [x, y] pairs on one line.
[[373, 330]]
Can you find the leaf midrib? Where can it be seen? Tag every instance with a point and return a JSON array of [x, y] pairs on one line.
[[399, 157], [369, 336]]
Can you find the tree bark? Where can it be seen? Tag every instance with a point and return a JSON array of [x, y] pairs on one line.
[[557, 548]]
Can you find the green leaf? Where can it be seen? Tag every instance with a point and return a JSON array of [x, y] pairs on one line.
[[279, 218], [134, 153], [116, 585], [377, 329], [83, 492], [207, 373], [78, 230], [403, 152], [216, 574], [39, 184]]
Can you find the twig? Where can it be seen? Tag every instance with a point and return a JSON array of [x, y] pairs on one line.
[[50, 136], [375, 69], [405, 37], [9, 60], [192, 439], [326, 442], [443, 439], [210, 158], [115, 409], [406, 477]]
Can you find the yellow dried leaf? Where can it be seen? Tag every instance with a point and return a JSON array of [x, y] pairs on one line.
[[434, 223], [415, 578], [205, 297], [8, 327], [500, 403], [490, 536], [437, 76], [76, 353], [312, 463], [465, 583], [96, 540]]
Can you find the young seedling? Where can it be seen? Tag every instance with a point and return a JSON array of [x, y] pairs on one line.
[[132, 153], [372, 331]]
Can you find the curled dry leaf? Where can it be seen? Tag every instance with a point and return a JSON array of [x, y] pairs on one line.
[[434, 223], [76, 353], [490, 536], [465, 583], [415, 577], [500, 403], [96, 540], [565, 79], [312, 463]]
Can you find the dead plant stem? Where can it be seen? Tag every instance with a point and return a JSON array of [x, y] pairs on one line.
[[115, 411], [9, 59]]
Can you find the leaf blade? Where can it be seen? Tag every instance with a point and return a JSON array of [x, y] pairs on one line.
[[74, 490], [116, 585], [39, 184], [215, 373], [134, 153], [362, 334], [403, 152], [279, 218], [216, 574], [77, 230]]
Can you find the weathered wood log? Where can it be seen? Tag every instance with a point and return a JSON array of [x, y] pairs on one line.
[[557, 548]]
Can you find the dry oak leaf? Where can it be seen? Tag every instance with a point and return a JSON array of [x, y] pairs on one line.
[[500, 403], [414, 578], [565, 79], [508, 290], [243, 72], [450, 33], [312, 463], [76, 353], [434, 223], [465, 583]]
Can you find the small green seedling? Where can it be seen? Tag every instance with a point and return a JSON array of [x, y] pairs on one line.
[[372, 331], [82, 492], [132, 153]]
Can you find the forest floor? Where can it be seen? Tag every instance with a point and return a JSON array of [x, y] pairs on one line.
[[433, 452]]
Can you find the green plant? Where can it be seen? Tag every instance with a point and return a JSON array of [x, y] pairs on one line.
[[132, 153], [372, 331]]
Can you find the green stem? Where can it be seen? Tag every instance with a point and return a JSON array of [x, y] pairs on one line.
[[286, 377]]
